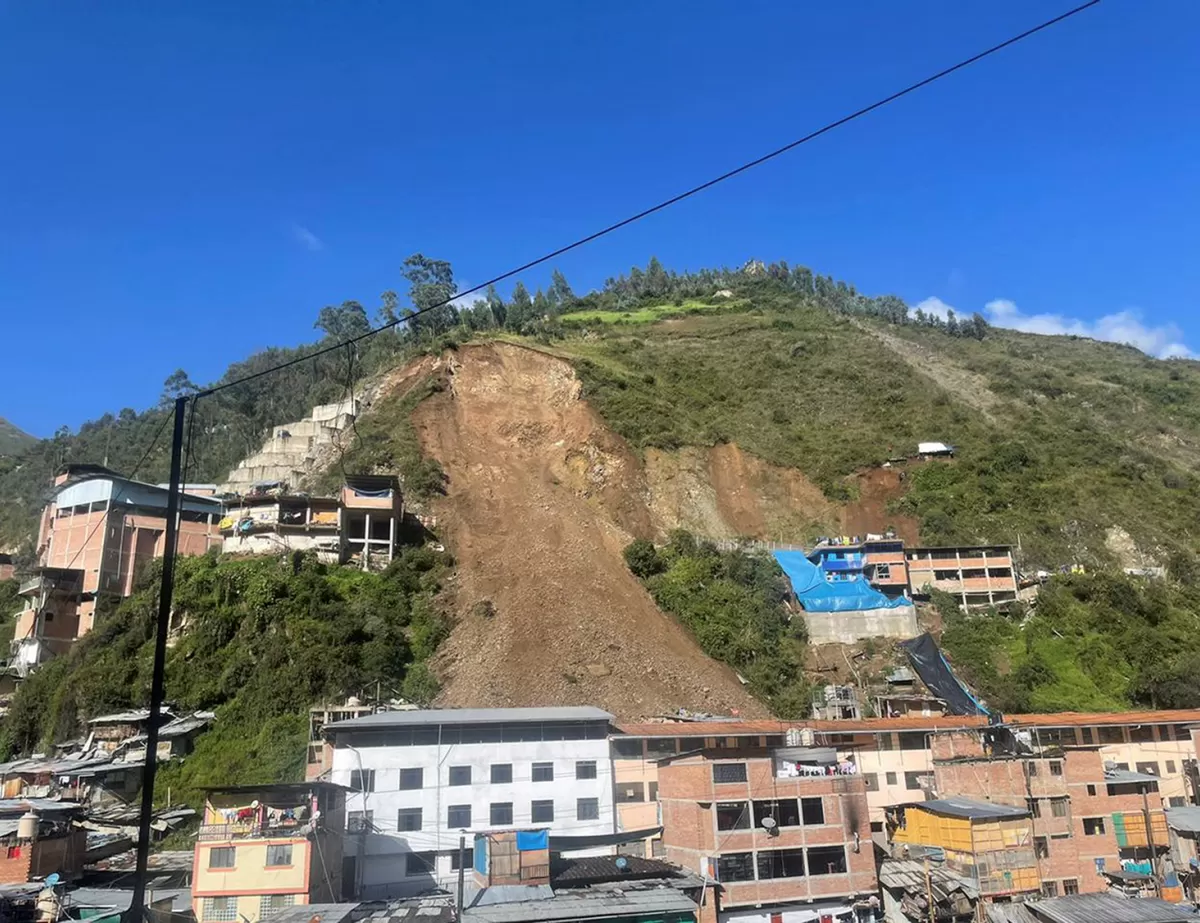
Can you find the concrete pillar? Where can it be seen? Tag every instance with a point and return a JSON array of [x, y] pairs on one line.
[[391, 537], [366, 556]]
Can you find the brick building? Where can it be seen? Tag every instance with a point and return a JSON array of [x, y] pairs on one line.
[[38, 837], [1086, 817], [783, 829]]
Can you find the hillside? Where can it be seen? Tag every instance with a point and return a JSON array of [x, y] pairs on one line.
[[540, 437], [13, 440]]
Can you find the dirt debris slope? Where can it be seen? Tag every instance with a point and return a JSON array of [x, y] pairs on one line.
[[541, 500]]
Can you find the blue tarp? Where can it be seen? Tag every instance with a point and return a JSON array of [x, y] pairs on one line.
[[816, 594], [528, 840]]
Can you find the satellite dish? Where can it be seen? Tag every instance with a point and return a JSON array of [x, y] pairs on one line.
[[622, 863], [52, 879], [769, 823]]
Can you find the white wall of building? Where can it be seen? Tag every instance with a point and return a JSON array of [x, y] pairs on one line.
[[384, 860]]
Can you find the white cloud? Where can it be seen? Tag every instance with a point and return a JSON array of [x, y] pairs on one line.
[[1165, 341], [936, 307], [307, 238], [1162, 340]]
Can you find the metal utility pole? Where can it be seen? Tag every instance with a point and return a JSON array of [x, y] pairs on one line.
[[158, 680], [462, 852]]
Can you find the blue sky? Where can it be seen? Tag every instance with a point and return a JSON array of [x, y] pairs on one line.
[[182, 184]]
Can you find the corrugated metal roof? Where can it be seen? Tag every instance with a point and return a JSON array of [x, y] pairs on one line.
[[315, 913], [1185, 818], [582, 905], [122, 898], [909, 875], [1009, 913], [969, 808], [1127, 777], [436, 908], [18, 806], [426, 716], [735, 728], [1109, 908]]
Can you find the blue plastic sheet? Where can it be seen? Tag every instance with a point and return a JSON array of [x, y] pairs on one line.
[[816, 594], [528, 840]]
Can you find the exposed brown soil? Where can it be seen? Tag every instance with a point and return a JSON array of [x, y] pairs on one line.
[[877, 487], [541, 500]]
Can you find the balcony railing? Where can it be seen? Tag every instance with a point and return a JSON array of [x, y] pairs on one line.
[[252, 830]]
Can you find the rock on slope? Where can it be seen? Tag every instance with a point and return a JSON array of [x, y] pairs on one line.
[[541, 499]]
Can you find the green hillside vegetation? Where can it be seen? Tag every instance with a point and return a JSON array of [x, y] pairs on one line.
[[13, 440], [1094, 643], [650, 314], [265, 639], [732, 602]]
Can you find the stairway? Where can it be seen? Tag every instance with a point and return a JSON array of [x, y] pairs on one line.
[[292, 450]]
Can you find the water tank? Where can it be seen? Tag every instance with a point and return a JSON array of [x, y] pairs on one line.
[[353, 701], [27, 826]]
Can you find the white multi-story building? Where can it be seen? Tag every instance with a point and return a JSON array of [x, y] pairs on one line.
[[419, 780]]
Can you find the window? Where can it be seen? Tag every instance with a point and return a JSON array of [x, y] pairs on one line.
[[1041, 847], [408, 819], [1070, 886], [585, 769], [1056, 767], [1177, 801], [733, 815], [827, 860], [729, 772], [1141, 733], [542, 812], [271, 904], [891, 778], [1089, 738], [456, 857], [359, 821], [501, 773], [627, 748], [1058, 807], [1112, 735], [1035, 807], [1150, 769], [1170, 767], [662, 746], [735, 866], [781, 863], [221, 857], [785, 812], [871, 780], [652, 791], [912, 780], [460, 775], [1093, 826], [279, 854], [420, 863], [1049, 889], [1031, 768], [1091, 790], [630, 791], [658, 849], [458, 816], [912, 740], [501, 813], [887, 741], [587, 809], [813, 811], [411, 779], [362, 780], [219, 909], [543, 772]]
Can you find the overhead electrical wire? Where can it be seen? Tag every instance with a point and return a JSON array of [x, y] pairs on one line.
[[666, 203]]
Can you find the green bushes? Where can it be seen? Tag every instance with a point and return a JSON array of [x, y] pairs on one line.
[[1095, 643], [266, 638], [733, 604]]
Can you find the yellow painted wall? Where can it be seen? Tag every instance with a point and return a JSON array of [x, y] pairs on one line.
[[924, 828], [250, 872]]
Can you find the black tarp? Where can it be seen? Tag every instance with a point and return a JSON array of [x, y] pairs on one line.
[[927, 660], [568, 843]]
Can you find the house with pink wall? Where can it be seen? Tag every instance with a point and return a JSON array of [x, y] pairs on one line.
[[96, 532]]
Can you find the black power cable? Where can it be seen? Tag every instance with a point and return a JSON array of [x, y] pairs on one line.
[[667, 203]]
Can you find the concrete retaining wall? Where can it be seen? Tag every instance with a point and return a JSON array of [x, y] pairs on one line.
[[848, 627]]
